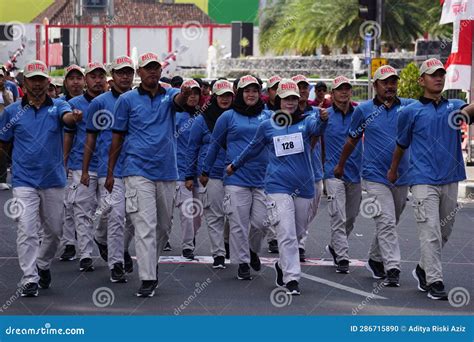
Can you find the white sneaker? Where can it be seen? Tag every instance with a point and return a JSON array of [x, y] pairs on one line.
[[5, 186]]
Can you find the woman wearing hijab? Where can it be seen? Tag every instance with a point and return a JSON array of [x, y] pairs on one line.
[[186, 200], [244, 199], [289, 180], [212, 195]]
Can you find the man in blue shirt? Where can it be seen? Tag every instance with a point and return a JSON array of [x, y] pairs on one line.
[[10, 85], [144, 127], [35, 126], [377, 120], [344, 195], [100, 117], [431, 128], [84, 198], [74, 82]]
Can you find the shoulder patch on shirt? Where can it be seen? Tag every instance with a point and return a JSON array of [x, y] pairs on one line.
[[165, 98], [261, 117]]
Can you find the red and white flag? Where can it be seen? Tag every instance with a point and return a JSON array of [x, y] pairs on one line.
[[455, 10], [458, 66]]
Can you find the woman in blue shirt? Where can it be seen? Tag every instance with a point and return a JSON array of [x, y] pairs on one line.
[[289, 180], [187, 200], [212, 194], [244, 201]]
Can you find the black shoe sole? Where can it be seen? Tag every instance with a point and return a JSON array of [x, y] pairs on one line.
[[145, 295], [367, 266], [430, 296], [420, 288], [67, 258], [30, 295], [217, 267], [118, 281]]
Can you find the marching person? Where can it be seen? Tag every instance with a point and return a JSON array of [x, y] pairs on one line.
[[344, 195], [84, 198], [377, 120], [289, 180], [305, 106], [38, 173], [144, 127], [432, 124], [190, 211], [110, 230], [6, 98], [212, 195], [272, 87], [244, 201], [321, 100], [74, 82]]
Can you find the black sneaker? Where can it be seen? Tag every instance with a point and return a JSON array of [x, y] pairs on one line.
[[128, 262], [147, 289], [343, 266], [188, 254], [331, 251], [420, 276], [376, 268], [227, 250], [45, 278], [117, 274], [255, 261], [273, 246], [103, 250], [302, 254], [69, 253], [292, 288], [219, 262], [393, 278], [437, 291], [167, 247], [85, 265], [279, 275], [30, 290], [244, 272]]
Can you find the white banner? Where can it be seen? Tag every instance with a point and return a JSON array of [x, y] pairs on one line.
[[458, 76], [454, 10]]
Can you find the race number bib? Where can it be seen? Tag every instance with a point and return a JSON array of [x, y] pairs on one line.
[[286, 145]]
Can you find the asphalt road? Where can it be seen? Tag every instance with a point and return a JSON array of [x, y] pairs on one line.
[[197, 289]]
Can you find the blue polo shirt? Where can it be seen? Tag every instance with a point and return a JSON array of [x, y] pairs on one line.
[[335, 136], [378, 124], [198, 145], [233, 132], [100, 118], [316, 155], [38, 142], [149, 125], [76, 155], [184, 122], [435, 141], [290, 174]]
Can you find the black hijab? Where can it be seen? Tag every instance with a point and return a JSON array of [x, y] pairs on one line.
[[212, 113], [244, 109]]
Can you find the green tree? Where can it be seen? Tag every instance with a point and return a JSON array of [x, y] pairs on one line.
[[301, 26], [408, 85]]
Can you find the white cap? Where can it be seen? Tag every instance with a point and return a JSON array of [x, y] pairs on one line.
[[94, 66], [221, 87], [121, 62], [35, 68], [430, 66], [287, 87], [300, 78], [147, 58], [340, 80], [273, 80], [246, 81], [384, 72]]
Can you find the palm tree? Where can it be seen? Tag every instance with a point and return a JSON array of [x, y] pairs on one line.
[[301, 26]]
